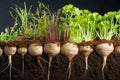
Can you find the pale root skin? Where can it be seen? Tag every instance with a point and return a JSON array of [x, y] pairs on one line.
[[51, 49], [36, 50], [68, 72], [104, 51], [22, 51], [86, 50], [70, 50], [9, 51], [1, 51], [117, 49]]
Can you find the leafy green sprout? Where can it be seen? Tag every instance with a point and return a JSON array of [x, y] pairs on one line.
[[41, 19], [117, 17], [76, 34], [88, 21], [10, 34], [79, 24], [23, 20], [46, 22], [71, 29], [107, 27], [54, 33]]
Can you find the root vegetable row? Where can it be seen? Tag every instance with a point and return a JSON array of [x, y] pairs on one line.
[[70, 50]]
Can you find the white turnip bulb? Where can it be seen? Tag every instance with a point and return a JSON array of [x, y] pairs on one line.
[[51, 49], [9, 51], [36, 50], [86, 50], [104, 50], [22, 51], [70, 50]]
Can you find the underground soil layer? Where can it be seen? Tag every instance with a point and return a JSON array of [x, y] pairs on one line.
[[59, 65]]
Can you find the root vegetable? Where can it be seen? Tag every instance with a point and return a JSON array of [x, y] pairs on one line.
[[22, 51], [104, 50], [1, 51], [86, 50], [70, 50], [51, 49], [9, 51], [36, 50], [117, 49]]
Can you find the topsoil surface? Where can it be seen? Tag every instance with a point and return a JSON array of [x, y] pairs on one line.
[[59, 65]]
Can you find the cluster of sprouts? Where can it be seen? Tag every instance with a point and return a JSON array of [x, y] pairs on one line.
[[69, 25]]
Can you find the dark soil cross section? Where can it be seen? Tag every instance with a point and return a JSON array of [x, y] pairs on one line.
[[59, 65]]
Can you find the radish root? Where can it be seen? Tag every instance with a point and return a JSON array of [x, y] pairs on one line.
[[86, 65], [43, 59], [23, 65], [103, 66], [9, 65], [68, 71], [41, 66], [49, 64]]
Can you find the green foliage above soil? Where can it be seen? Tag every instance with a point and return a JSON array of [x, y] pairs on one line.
[[10, 34], [69, 23]]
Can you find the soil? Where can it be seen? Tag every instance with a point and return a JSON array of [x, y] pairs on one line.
[[59, 65]]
